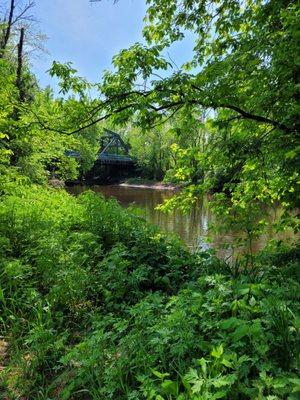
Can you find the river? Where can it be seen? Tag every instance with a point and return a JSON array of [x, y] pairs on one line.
[[192, 228]]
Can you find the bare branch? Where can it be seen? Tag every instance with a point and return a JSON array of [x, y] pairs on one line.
[[23, 16]]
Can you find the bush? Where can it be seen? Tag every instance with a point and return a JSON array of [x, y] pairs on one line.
[[96, 304], [223, 338]]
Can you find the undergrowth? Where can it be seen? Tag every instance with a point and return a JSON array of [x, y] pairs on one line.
[[96, 304]]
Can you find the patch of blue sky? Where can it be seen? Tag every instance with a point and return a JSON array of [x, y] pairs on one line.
[[89, 35]]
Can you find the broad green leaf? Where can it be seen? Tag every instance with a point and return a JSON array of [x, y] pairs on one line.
[[217, 351]]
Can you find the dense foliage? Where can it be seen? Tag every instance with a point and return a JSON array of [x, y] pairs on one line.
[[28, 149], [154, 151], [242, 82], [96, 304]]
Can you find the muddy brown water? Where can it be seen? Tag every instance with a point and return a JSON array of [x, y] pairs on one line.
[[192, 228]]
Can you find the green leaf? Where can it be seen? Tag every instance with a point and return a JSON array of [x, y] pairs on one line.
[[296, 383], [226, 380], [240, 332], [159, 374], [2, 298], [170, 387], [202, 362], [192, 375], [217, 351], [197, 385], [218, 395], [230, 323]]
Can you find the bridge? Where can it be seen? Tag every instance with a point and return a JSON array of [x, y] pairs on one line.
[[113, 150], [113, 163]]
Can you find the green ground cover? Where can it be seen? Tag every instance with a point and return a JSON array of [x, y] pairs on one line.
[[96, 304]]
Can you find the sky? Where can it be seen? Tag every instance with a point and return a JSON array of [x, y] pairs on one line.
[[89, 35]]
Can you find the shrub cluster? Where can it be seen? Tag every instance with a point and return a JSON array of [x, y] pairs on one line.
[[96, 304]]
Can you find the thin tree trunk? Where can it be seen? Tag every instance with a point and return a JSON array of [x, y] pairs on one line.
[[8, 29], [19, 82]]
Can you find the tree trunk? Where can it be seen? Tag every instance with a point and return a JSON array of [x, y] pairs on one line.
[[7, 31], [19, 81]]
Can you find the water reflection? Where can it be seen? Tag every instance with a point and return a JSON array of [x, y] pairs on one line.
[[192, 228]]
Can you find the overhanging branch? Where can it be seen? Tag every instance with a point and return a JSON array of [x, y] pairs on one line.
[[131, 100]]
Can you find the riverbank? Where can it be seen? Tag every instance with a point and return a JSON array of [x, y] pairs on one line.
[[192, 227], [91, 296]]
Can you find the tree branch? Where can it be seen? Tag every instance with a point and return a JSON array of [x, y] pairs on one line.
[[244, 114]]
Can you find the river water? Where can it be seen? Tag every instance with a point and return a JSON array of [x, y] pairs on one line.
[[192, 228]]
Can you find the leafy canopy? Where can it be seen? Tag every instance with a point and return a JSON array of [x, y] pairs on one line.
[[244, 70]]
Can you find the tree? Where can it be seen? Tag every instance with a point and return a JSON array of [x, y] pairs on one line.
[[28, 150], [243, 71], [242, 50], [243, 75], [14, 17]]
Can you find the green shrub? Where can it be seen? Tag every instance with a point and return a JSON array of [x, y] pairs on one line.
[[96, 304], [217, 340]]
